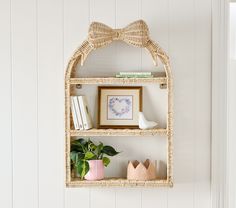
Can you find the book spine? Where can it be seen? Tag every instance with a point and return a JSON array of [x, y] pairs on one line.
[[74, 116], [135, 73], [85, 112], [78, 112]]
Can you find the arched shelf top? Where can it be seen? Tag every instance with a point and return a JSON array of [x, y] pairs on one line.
[[100, 35]]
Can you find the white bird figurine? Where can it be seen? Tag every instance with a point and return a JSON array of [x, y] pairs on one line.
[[144, 123]]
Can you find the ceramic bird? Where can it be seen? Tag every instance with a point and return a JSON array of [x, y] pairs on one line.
[[144, 123]]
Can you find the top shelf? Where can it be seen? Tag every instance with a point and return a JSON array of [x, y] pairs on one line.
[[114, 80]]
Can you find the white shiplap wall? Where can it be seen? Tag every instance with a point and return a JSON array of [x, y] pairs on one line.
[[231, 100], [37, 37]]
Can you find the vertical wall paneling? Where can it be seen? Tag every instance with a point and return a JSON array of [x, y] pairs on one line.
[[130, 58], [152, 197], [5, 118], [76, 23], [24, 106], [50, 103], [103, 11], [129, 198], [77, 197], [231, 100], [103, 198], [181, 52], [202, 106], [157, 17]]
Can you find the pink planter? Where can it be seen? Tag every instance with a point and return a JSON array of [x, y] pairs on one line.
[[96, 170]]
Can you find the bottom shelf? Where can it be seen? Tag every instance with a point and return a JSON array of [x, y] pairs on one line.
[[119, 182]]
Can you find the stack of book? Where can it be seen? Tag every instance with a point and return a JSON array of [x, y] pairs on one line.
[[80, 113], [134, 75]]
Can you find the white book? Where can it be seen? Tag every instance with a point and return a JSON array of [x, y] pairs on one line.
[[78, 112], [73, 112], [85, 112], [135, 73]]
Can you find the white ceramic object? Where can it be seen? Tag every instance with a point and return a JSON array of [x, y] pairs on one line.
[[144, 123]]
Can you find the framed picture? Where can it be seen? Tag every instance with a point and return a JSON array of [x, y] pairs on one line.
[[119, 106]]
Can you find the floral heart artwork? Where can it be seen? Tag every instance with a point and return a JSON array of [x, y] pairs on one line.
[[120, 107]]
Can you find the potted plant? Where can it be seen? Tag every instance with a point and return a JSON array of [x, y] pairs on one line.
[[89, 159]]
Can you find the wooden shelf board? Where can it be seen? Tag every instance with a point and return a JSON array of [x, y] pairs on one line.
[[114, 80], [119, 182], [119, 132]]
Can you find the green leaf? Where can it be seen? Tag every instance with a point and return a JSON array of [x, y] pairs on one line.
[[76, 147], [105, 161], [82, 168], [92, 146], [88, 155], [79, 145], [98, 150], [82, 141], [108, 150], [81, 156], [73, 156]]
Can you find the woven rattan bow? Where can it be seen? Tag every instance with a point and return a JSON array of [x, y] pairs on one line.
[[135, 34]]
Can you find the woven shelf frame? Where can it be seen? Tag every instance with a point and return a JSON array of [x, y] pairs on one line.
[[100, 35], [119, 132]]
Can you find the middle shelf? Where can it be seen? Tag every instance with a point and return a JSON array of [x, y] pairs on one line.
[[119, 132]]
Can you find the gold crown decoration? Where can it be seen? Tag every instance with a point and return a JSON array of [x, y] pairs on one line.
[[141, 171]]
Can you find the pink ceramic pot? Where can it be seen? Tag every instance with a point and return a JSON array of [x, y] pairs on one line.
[[96, 170]]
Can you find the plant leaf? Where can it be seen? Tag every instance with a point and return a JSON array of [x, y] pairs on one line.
[[79, 145], [81, 156], [105, 161], [92, 146], [108, 150], [99, 150], [82, 141], [88, 155], [82, 168], [76, 147], [73, 156]]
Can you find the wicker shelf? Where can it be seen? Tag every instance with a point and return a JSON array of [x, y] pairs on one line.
[[119, 132], [114, 80], [164, 79], [75, 182]]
